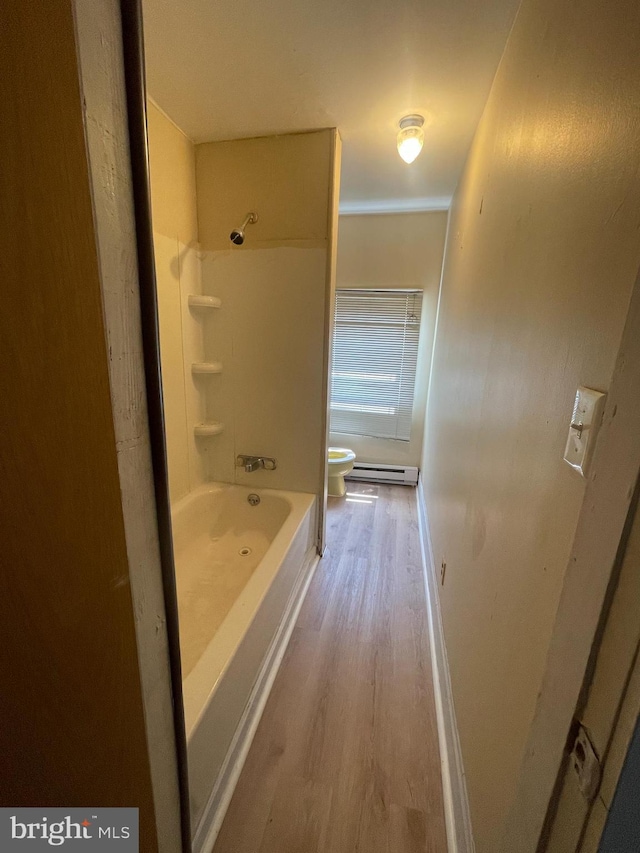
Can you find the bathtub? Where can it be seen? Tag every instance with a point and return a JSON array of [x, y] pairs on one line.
[[241, 574]]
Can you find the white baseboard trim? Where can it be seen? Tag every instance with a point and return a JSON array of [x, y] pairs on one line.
[[454, 788], [225, 784]]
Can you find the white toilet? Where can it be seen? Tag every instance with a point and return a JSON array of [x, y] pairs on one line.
[[341, 461]]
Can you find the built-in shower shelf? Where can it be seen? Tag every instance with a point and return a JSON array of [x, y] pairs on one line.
[[206, 367], [198, 301], [210, 428]]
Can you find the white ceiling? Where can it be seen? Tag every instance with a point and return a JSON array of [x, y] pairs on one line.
[[227, 69]]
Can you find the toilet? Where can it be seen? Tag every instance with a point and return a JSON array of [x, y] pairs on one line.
[[341, 461]]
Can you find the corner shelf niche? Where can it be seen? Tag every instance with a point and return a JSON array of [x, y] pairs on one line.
[[208, 428], [206, 367], [198, 301]]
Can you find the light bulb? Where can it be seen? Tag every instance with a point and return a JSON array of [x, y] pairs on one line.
[[410, 137]]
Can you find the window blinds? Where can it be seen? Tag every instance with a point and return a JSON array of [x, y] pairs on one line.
[[375, 356]]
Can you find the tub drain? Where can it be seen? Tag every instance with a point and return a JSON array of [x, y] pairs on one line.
[[244, 552]]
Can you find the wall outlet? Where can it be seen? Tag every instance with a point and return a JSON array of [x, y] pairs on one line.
[[586, 765], [443, 569]]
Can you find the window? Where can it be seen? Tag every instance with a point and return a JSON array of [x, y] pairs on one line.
[[375, 355]]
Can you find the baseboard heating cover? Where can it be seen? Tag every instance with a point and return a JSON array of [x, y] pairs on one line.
[[405, 475]]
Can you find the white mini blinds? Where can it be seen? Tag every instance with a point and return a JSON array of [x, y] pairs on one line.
[[375, 355]]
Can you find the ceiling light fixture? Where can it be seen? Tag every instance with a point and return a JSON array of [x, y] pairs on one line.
[[410, 137]]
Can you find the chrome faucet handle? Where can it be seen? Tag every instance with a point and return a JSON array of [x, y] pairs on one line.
[[252, 463], [249, 463]]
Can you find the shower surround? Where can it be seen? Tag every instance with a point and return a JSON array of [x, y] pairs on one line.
[[245, 332], [271, 333]]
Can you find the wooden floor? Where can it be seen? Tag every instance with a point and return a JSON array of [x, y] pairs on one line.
[[346, 754]]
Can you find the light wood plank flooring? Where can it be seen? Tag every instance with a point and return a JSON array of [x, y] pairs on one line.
[[346, 754]]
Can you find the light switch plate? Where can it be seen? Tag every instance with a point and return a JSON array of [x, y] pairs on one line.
[[583, 431]]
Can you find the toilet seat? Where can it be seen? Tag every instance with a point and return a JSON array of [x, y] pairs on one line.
[[340, 454]]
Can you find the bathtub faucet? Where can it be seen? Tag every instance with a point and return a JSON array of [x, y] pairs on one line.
[[252, 463]]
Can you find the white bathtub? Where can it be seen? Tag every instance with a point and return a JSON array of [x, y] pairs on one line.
[[241, 572]]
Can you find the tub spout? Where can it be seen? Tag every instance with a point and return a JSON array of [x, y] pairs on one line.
[[253, 463]]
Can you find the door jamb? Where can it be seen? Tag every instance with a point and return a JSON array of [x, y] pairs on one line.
[[136, 93]]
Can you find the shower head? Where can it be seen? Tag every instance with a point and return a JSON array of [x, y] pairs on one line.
[[237, 235]]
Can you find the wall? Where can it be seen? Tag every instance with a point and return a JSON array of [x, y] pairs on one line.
[[269, 332], [541, 257], [609, 495], [72, 728], [178, 273], [395, 251]]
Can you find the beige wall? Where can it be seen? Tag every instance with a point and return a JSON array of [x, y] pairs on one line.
[[541, 257], [173, 178], [269, 332], [72, 717], [283, 178], [173, 198], [402, 250]]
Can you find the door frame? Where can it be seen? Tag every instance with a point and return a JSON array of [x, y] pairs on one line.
[[136, 98], [330, 304], [573, 818]]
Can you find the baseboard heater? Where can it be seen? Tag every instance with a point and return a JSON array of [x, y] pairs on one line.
[[404, 475]]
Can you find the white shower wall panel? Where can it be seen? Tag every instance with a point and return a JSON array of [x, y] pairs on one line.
[[269, 335], [182, 342]]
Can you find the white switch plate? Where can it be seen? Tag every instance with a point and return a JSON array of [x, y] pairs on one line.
[[583, 431]]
